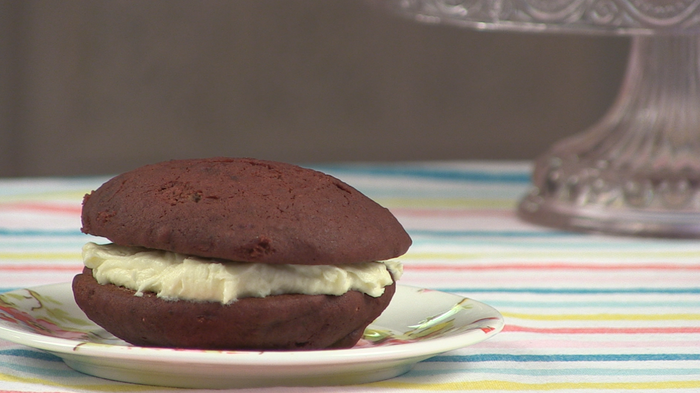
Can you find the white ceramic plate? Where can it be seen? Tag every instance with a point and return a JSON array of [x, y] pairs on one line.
[[419, 323]]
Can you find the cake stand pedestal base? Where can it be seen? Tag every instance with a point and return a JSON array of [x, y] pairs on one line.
[[637, 171]]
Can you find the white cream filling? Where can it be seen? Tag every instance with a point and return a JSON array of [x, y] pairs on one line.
[[175, 276]]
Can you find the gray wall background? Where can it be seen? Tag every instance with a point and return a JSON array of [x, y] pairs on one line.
[[103, 86]]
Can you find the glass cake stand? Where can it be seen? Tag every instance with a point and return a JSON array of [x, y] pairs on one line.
[[636, 171]]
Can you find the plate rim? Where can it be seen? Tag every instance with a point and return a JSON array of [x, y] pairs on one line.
[[413, 350]]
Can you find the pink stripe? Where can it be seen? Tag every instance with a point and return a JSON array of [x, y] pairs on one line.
[[31, 391], [494, 344], [45, 268], [659, 330], [551, 266], [411, 267], [42, 207]]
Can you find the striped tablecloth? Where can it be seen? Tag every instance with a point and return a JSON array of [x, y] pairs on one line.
[[583, 312]]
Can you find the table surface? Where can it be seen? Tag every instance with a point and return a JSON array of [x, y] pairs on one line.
[[583, 312]]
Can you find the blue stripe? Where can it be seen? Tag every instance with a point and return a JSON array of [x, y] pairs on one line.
[[486, 233], [567, 358], [25, 353], [430, 173], [626, 304], [64, 372], [40, 232], [414, 232], [417, 372], [576, 291]]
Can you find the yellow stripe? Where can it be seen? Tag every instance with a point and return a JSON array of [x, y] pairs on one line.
[[40, 255], [76, 195], [515, 386], [604, 317], [447, 203], [393, 384], [114, 387]]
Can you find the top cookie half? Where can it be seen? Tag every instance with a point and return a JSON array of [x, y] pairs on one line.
[[243, 210]]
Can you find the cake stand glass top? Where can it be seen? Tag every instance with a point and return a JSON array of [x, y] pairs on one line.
[[633, 17], [637, 171]]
